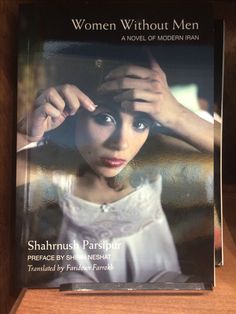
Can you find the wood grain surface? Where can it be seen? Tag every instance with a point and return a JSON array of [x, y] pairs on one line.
[[222, 300]]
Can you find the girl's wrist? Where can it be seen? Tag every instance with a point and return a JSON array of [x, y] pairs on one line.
[[176, 119], [33, 139]]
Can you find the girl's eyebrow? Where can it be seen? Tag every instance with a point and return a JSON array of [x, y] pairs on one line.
[[140, 114], [107, 108]]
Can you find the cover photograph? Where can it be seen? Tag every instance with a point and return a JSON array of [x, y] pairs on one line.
[[115, 148]]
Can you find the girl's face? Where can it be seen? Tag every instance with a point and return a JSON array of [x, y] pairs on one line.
[[108, 140]]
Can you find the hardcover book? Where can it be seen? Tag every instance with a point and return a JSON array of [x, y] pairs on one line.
[[115, 147]]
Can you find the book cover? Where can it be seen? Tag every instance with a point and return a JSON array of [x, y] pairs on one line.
[[115, 147]]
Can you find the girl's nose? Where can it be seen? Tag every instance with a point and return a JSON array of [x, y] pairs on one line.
[[119, 139]]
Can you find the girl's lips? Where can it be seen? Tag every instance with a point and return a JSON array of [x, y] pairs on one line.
[[112, 162]]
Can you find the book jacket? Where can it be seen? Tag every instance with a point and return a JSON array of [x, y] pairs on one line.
[[115, 147]]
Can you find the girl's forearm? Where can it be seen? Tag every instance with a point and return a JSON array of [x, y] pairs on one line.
[[194, 130]]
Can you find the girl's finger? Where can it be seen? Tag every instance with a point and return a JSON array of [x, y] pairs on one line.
[[129, 70], [47, 110], [157, 69], [127, 83], [51, 96], [146, 107], [136, 94], [70, 98], [83, 99]]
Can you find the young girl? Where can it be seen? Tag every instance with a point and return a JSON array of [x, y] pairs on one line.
[[111, 219]]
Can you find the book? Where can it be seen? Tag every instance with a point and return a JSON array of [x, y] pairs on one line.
[[115, 147]]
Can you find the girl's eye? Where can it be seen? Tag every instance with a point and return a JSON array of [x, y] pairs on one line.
[[141, 125], [104, 119]]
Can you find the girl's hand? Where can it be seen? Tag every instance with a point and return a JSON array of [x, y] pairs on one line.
[[143, 89], [51, 108], [146, 90]]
